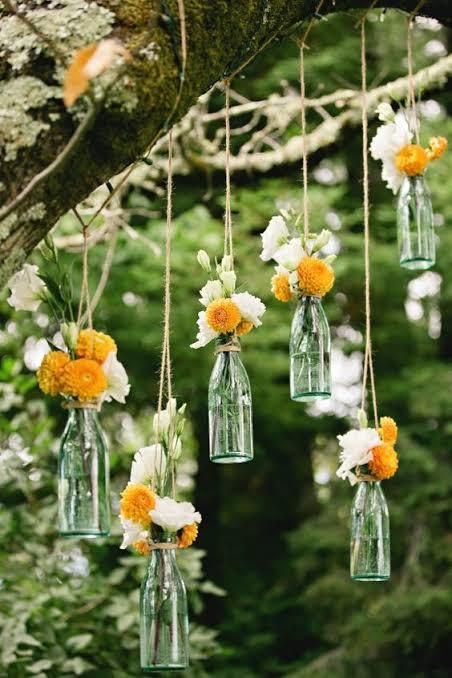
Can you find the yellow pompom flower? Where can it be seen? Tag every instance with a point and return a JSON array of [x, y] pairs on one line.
[[141, 547], [384, 462], [223, 315], [315, 277], [388, 430], [437, 147], [94, 345], [244, 327], [49, 374], [136, 502], [412, 159], [281, 287], [187, 536], [83, 379]]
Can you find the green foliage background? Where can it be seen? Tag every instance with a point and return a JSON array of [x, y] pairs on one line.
[[275, 531]]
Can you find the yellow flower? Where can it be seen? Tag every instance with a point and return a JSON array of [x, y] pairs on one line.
[[141, 547], [94, 345], [136, 502], [223, 315], [244, 327], [315, 277], [388, 430], [49, 374], [437, 147], [385, 462], [83, 379], [412, 159], [187, 536], [281, 287]]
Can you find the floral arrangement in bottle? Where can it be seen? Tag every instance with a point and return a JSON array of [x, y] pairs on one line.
[[229, 314], [368, 456], [403, 169], [83, 366], [154, 523], [302, 274], [147, 514], [392, 144]]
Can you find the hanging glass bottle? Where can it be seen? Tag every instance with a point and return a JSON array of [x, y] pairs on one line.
[[83, 477], [163, 615], [230, 408], [310, 346], [370, 558], [415, 229]]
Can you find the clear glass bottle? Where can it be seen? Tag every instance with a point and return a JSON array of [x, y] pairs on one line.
[[416, 234], [230, 410], [163, 615], [310, 347], [83, 477], [370, 553]]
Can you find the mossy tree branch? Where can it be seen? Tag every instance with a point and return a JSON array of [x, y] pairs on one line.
[[35, 128]]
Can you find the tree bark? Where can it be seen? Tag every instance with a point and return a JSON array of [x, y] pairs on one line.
[[35, 127]]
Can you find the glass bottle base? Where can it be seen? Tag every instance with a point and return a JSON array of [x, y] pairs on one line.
[[308, 396], [230, 458], [370, 577], [417, 263], [164, 667], [83, 534]]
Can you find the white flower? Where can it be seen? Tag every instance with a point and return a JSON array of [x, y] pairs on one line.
[[177, 449], [321, 240], [162, 420], [27, 289], [356, 451], [251, 308], [118, 386], [385, 112], [204, 260], [148, 462], [229, 279], [205, 332], [132, 532], [387, 142], [275, 235], [213, 289], [290, 255], [34, 353], [173, 515], [69, 332]]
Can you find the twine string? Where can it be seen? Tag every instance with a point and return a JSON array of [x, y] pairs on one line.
[[78, 405], [85, 299], [228, 244], [165, 365], [303, 46], [414, 121], [231, 347], [368, 359]]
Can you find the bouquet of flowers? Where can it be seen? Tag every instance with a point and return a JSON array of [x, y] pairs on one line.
[[229, 314], [300, 270], [369, 452], [148, 516], [392, 144], [83, 366]]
